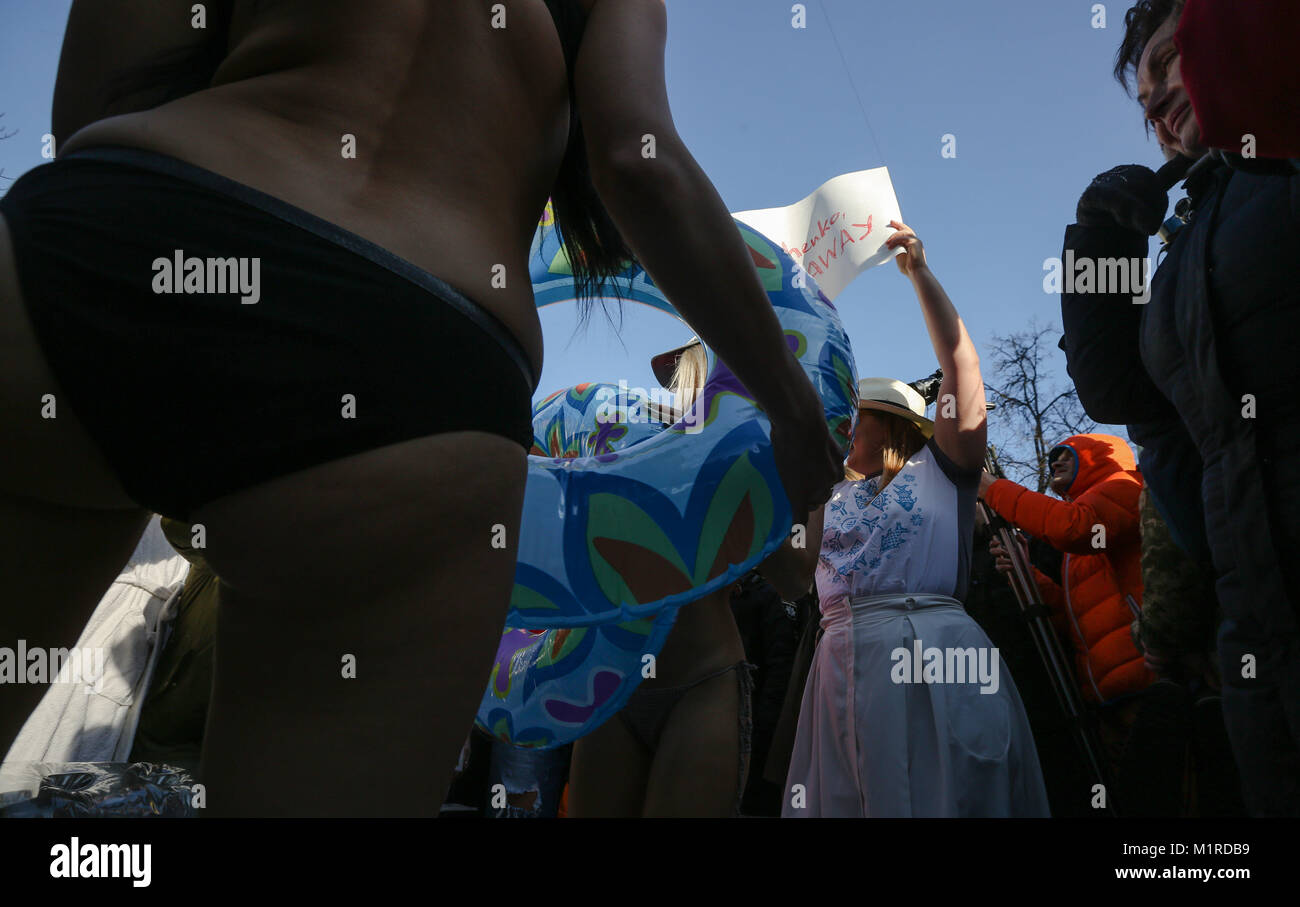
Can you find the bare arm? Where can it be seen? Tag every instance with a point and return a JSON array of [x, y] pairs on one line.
[[791, 569], [130, 55], [960, 427], [682, 233]]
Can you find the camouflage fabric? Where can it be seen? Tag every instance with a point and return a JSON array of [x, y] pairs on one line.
[[1179, 609]]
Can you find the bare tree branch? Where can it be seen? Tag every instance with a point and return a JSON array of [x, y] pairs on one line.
[[5, 134], [1023, 428]]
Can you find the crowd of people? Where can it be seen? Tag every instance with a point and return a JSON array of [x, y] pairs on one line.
[[868, 672]]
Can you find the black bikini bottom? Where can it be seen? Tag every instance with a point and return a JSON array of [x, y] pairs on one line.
[[647, 711], [212, 337]]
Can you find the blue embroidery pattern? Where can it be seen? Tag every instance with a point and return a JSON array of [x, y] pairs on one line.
[[871, 530], [906, 497], [863, 494], [893, 538], [873, 538]]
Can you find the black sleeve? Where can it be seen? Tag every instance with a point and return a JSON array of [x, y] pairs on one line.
[[1172, 472], [1102, 330], [958, 476]]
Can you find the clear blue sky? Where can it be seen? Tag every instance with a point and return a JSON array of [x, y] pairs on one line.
[[770, 113]]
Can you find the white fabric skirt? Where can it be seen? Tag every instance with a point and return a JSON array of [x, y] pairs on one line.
[[890, 728]]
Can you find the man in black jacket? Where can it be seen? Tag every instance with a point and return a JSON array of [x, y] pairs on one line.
[[1205, 375]]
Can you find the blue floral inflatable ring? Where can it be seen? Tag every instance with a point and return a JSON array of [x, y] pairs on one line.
[[627, 519]]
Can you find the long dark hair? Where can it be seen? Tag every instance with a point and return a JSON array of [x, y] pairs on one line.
[[596, 248]]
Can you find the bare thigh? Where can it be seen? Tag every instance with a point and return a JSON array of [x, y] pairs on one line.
[[697, 771], [47, 454], [608, 775], [66, 526], [361, 605]]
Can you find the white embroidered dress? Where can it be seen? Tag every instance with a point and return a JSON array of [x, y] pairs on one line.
[[874, 737]]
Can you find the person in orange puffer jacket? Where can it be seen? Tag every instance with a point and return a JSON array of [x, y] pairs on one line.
[[1096, 525]]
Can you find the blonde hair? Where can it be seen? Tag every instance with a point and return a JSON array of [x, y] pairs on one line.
[[689, 375], [903, 438]]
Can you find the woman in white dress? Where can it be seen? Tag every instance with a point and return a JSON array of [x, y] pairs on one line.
[[908, 709]]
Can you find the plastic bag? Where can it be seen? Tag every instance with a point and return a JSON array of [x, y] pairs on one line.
[[103, 790]]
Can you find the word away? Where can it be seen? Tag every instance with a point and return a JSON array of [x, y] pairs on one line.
[[833, 247]]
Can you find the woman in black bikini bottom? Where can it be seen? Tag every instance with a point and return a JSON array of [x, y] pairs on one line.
[[345, 426], [192, 394], [293, 370]]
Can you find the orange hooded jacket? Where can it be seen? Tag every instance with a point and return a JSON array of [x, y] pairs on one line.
[[1097, 527]]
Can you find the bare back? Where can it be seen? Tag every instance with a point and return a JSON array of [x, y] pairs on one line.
[[459, 129]]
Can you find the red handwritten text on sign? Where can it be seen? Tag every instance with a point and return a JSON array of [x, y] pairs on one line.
[[833, 242]]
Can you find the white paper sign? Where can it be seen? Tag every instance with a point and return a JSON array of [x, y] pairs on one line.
[[837, 232]]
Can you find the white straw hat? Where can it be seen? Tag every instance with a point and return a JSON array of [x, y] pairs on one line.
[[892, 396]]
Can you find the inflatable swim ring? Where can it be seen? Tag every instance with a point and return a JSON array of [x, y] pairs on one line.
[[626, 519]]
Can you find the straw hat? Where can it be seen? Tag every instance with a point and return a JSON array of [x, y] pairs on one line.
[[665, 364], [891, 396]]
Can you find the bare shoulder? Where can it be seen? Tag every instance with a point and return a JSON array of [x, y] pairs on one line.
[[142, 33], [133, 55]]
